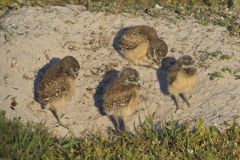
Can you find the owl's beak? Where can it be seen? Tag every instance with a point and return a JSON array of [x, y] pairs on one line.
[[138, 81], [76, 74]]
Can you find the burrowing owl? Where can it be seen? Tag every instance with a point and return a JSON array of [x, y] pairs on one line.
[[121, 96], [181, 79], [142, 46], [58, 85]]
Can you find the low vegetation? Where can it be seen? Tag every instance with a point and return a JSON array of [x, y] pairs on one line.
[[225, 71], [152, 141], [224, 13]]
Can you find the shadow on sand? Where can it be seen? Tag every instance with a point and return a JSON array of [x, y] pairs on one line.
[[162, 76], [117, 38], [162, 73], [100, 90]]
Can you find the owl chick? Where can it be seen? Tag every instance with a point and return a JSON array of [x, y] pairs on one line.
[[121, 96], [181, 79], [142, 46], [58, 85]]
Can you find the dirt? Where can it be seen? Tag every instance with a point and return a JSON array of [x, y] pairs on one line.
[[32, 38]]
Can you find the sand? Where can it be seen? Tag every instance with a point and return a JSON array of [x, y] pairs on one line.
[[33, 37]]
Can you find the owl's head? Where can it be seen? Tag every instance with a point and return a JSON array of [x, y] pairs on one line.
[[70, 66], [186, 60], [158, 50], [171, 64], [129, 75]]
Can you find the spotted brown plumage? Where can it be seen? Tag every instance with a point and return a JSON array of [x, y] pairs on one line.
[[182, 78], [121, 96], [132, 39], [54, 88], [142, 46], [58, 84]]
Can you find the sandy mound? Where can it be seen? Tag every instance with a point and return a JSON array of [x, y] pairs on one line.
[[33, 37]]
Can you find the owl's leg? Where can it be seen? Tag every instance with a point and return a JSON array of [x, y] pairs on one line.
[[145, 62], [121, 124], [114, 120], [54, 112], [118, 122], [182, 95], [153, 65], [175, 100], [148, 66]]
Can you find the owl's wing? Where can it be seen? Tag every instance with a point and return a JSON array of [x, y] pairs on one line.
[[53, 88], [189, 71], [149, 32], [118, 96], [172, 79], [128, 41], [132, 38]]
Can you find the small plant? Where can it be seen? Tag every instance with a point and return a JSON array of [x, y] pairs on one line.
[[225, 57], [222, 22], [236, 74], [233, 72], [217, 74], [227, 70], [205, 55]]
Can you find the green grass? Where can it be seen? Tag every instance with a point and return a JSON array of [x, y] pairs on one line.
[[6, 5], [24, 142], [152, 141], [205, 11]]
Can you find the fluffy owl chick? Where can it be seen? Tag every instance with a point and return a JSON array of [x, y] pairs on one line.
[[181, 79], [121, 96], [58, 85], [142, 46]]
